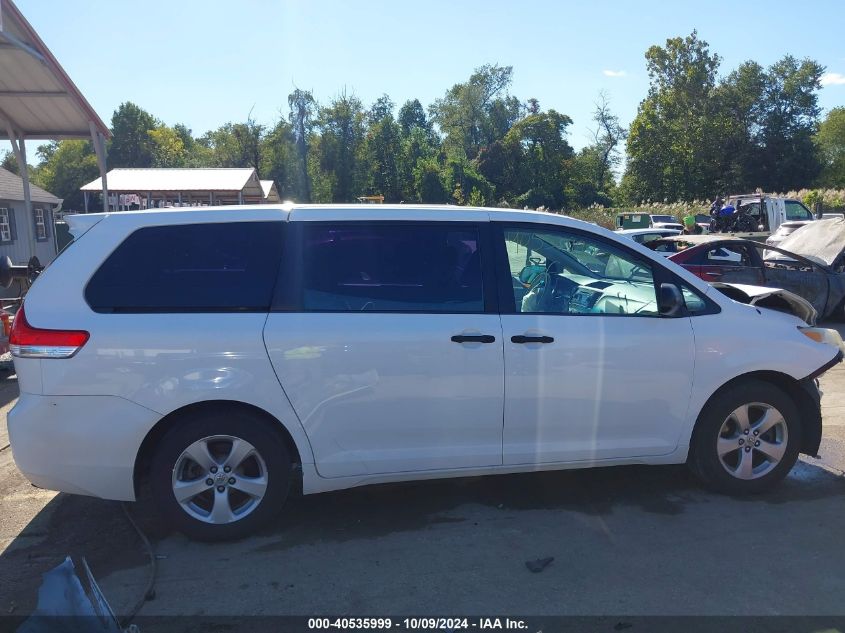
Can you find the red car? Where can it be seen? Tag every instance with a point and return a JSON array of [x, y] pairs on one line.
[[738, 261]]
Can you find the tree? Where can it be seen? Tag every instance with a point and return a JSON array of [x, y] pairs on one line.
[[532, 165], [131, 145], [428, 183], [477, 112], [279, 160], [235, 145], [10, 163], [739, 102], [411, 117], [302, 109], [168, 149], [383, 152], [674, 144], [830, 141], [65, 166], [342, 133], [789, 116], [607, 137]]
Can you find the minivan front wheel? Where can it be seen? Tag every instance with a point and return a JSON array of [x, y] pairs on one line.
[[220, 475], [747, 439]]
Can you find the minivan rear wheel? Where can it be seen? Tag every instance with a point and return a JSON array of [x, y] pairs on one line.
[[220, 475], [747, 439]]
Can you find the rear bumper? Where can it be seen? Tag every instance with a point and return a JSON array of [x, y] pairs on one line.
[[79, 444]]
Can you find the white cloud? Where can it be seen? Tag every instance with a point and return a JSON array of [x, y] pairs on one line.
[[833, 79], [614, 73]]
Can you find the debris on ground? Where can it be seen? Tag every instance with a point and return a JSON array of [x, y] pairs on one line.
[[63, 600]]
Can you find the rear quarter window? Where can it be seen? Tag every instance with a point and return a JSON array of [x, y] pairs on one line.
[[215, 267]]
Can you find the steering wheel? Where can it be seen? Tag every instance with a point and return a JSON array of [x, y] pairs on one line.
[[553, 292]]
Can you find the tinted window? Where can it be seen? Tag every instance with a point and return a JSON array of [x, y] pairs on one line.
[[190, 268], [391, 268]]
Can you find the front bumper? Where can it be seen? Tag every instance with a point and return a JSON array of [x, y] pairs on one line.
[[809, 403], [79, 444]]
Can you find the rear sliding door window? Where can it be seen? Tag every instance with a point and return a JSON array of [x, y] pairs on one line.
[[391, 268], [218, 267]]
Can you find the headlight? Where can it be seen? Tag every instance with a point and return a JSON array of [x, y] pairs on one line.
[[824, 335]]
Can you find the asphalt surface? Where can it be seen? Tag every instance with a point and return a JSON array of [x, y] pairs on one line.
[[632, 540]]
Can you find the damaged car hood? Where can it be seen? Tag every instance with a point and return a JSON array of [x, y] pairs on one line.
[[772, 298], [821, 241]]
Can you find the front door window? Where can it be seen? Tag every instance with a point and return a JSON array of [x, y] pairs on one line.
[[567, 273]]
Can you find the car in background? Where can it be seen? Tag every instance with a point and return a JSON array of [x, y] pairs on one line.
[[703, 220], [822, 240], [716, 258], [641, 236], [784, 230], [635, 220]]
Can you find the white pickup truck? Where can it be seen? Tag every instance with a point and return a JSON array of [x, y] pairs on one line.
[[759, 216]]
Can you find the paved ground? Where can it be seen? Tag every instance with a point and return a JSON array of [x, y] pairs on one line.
[[634, 540]]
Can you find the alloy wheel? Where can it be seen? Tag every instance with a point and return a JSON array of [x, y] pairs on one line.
[[752, 440], [219, 479]]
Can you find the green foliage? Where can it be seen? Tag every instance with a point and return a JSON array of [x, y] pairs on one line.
[[303, 108], [66, 166], [428, 185], [695, 136], [530, 164], [474, 114], [168, 148], [673, 145], [830, 141], [10, 163], [383, 152], [340, 149], [131, 144]]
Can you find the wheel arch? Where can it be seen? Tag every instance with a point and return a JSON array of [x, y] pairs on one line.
[[800, 391], [150, 441]]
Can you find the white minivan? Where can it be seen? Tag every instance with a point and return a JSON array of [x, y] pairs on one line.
[[228, 356]]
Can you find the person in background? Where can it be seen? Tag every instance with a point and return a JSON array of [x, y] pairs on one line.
[[691, 227]]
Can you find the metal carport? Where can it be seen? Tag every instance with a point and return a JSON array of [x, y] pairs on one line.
[[38, 100]]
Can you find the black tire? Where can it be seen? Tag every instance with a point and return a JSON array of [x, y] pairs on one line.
[[273, 461], [704, 460]]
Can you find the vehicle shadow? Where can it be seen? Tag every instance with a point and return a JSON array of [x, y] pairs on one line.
[[99, 530]]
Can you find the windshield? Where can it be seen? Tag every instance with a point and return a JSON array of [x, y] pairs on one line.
[[664, 218]]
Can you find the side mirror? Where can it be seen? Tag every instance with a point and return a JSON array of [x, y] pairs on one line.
[[670, 301]]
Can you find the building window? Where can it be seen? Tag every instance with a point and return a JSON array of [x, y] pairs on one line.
[[5, 225], [40, 225]]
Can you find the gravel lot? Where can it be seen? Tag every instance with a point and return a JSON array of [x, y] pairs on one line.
[[632, 540]]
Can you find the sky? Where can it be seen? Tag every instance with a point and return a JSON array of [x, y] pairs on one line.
[[204, 63]]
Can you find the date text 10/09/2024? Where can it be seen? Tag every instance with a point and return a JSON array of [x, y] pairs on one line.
[[416, 624]]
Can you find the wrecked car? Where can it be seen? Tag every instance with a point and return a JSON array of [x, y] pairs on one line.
[[715, 258]]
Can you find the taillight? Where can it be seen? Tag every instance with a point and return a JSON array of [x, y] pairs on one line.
[[26, 341]]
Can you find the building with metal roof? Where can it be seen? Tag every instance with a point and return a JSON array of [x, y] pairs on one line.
[[38, 101], [16, 224], [171, 187]]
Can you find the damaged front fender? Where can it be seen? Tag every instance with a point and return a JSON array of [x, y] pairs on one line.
[[771, 298]]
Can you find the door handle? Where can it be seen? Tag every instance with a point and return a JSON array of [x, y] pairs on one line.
[[473, 338], [531, 339]]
